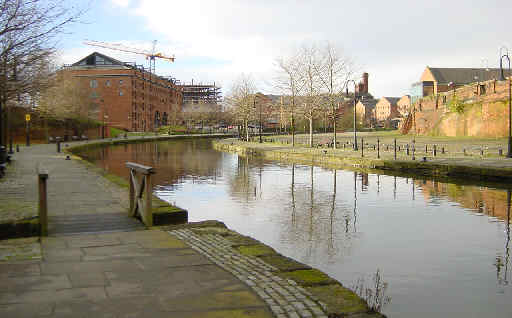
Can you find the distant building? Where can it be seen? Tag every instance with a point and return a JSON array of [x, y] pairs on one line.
[[404, 105], [362, 86], [365, 110], [127, 95], [199, 93], [436, 80], [386, 108]]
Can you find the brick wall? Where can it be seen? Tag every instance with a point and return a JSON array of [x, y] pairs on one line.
[[129, 99], [485, 111]]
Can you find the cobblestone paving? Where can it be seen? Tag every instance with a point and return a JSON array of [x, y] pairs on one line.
[[285, 298]]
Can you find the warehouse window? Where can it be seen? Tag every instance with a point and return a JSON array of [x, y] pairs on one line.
[[107, 83], [93, 83], [121, 93]]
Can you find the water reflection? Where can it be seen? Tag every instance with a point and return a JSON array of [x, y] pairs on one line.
[[439, 244], [502, 261]]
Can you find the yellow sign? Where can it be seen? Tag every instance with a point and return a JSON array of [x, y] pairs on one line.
[[27, 117]]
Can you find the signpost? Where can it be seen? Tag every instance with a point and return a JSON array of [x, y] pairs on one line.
[[27, 120]]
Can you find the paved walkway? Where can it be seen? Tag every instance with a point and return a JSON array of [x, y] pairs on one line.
[[123, 274], [79, 200]]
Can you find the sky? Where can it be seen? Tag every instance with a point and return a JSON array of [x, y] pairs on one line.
[[216, 41]]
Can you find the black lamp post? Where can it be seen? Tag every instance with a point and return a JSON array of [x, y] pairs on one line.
[[259, 130], [502, 78], [355, 130]]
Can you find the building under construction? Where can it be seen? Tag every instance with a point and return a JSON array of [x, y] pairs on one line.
[[200, 93]]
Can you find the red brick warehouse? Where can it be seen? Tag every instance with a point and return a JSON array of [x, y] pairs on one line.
[[127, 95]]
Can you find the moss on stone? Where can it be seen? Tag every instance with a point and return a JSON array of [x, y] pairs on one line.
[[239, 240], [192, 225], [284, 264], [213, 230], [167, 209], [308, 277], [256, 250], [340, 300]]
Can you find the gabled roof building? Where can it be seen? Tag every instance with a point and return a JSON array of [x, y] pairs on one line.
[[127, 95], [386, 108], [435, 80]]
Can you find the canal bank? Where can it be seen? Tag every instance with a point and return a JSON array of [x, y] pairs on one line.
[[491, 170], [110, 273]]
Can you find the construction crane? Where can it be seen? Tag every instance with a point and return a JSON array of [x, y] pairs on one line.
[[150, 55]]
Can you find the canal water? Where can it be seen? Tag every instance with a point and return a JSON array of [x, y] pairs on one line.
[[437, 249]]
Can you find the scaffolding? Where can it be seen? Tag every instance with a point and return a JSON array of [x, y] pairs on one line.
[[201, 93]]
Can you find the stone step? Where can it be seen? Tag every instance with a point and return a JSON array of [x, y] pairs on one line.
[[92, 223]]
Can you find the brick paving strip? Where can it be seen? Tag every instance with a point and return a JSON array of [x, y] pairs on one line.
[[242, 256], [284, 297]]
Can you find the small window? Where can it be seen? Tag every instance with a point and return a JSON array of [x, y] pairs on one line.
[[121, 93], [482, 89], [444, 99], [120, 82], [107, 83], [93, 83]]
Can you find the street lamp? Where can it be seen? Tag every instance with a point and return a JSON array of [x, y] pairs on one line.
[[255, 96], [355, 130], [502, 78]]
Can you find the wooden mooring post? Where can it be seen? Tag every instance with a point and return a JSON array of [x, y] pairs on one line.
[[141, 192], [42, 208]]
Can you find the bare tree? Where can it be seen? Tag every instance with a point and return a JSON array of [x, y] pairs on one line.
[[288, 81], [311, 106], [66, 99], [333, 73], [28, 36], [242, 99]]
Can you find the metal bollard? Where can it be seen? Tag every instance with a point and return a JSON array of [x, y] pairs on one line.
[[17, 148], [500, 152], [426, 148], [395, 148], [407, 150], [464, 151], [362, 147], [10, 146], [413, 151], [434, 151], [378, 148], [58, 146], [481, 152]]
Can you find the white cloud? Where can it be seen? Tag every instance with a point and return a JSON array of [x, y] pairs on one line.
[[392, 40]]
